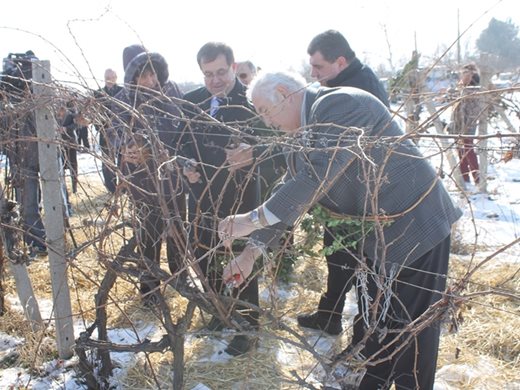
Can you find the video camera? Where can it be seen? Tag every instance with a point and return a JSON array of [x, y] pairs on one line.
[[17, 72]]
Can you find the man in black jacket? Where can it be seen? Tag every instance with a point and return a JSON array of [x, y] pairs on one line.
[[105, 96], [18, 129], [21, 150], [334, 64], [220, 117]]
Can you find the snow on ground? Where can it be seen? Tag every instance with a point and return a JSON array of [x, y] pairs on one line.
[[497, 213]]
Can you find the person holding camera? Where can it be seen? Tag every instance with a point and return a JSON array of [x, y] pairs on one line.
[[21, 146]]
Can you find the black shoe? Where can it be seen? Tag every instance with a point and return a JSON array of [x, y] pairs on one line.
[[150, 300], [215, 325], [36, 250], [321, 321], [239, 345]]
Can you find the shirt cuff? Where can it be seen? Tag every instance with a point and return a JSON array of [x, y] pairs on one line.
[[270, 217]]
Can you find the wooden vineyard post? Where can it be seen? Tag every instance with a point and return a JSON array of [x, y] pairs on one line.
[[19, 271], [53, 205]]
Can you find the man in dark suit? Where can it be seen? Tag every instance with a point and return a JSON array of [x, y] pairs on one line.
[[218, 131], [351, 158]]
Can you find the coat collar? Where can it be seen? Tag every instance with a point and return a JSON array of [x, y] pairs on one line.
[[312, 93], [346, 73], [239, 90]]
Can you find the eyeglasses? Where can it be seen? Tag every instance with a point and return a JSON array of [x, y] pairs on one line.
[[221, 73]]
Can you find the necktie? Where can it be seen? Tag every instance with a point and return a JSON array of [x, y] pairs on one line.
[[215, 103]]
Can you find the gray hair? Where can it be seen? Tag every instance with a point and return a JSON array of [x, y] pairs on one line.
[[265, 85], [249, 64], [110, 72]]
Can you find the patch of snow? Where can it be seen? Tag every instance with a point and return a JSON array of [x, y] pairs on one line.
[[200, 386], [465, 374], [8, 342]]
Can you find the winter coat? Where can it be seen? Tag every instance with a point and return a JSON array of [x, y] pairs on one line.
[[467, 111], [105, 94], [67, 122], [156, 114], [105, 97], [20, 139], [360, 76], [152, 120]]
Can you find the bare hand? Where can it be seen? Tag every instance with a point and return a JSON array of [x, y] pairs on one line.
[[239, 269], [81, 120], [235, 226], [239, 157], [134, 155], [190, 171]]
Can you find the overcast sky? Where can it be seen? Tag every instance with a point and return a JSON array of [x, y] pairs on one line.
[[85, 37]]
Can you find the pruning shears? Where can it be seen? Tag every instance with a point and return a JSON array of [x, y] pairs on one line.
[[231, 284]]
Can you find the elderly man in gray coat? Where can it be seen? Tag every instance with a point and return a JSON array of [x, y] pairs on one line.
[[350, 156]]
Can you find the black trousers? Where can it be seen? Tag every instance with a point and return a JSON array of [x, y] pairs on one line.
[[108, 153], [340, 266], [83, 136], [151, 227], [414, 290], [28, 194], [70, 162], [211, 266]]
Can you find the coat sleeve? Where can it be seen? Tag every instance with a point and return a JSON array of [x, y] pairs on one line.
[[321, 168]]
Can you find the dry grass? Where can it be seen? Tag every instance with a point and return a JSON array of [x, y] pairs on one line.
[[490, 332], [258, 370]]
